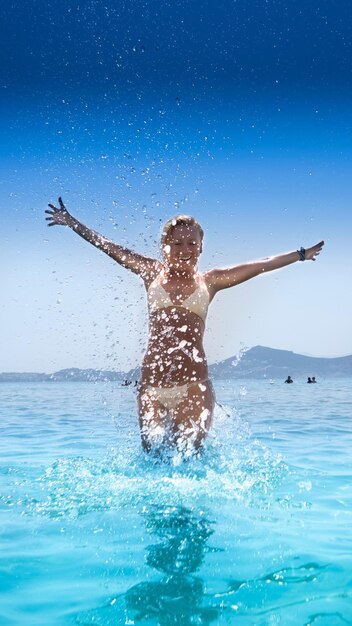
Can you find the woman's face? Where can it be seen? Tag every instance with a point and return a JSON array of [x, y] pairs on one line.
[[183, 247]]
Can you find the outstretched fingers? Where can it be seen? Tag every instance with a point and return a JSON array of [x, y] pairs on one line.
[[51, 214], [57, 215], [318, 247], [314, 251]]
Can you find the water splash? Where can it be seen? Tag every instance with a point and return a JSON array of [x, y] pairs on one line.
[[233, 466]]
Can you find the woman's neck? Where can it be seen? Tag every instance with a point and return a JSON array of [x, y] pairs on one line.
[[172, 271]]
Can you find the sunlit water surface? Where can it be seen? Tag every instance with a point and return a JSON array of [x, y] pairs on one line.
[[257, 531]]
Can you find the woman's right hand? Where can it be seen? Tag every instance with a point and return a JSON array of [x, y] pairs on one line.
[[58, 216]]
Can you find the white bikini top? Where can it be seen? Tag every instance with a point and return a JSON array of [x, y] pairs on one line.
[[197, 302]]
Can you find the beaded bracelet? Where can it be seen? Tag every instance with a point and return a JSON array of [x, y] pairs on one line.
[[302, 254]]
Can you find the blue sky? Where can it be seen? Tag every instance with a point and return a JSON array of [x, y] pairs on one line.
[[236, 112]]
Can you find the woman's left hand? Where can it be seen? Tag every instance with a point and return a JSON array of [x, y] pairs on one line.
[[312, 253]]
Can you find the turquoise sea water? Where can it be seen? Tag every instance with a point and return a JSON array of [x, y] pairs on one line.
[[257, 532]]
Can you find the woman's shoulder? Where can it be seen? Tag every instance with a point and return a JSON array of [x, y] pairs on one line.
[[152, 273], [209, 277], [213, 280]]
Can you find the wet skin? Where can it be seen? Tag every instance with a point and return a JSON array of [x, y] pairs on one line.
[[175, 353]]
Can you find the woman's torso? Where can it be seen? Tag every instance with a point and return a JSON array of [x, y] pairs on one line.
[[175, 353]]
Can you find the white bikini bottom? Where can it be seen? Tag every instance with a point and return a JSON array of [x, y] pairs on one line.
[[171, 397]]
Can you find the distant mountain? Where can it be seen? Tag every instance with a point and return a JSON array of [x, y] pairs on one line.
[[260, 362], [90, 375], [257, 362], [73, 374]]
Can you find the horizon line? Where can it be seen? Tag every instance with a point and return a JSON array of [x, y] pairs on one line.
[[237, 356]]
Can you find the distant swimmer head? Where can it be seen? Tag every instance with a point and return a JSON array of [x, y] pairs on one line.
[[181, 241]]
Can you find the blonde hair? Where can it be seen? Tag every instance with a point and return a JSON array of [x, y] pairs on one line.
[[179, 220]]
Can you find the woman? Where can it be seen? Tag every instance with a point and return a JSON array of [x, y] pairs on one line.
[[175, 396]]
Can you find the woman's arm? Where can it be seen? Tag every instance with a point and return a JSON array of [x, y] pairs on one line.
[[127, 258], [223, 278]]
